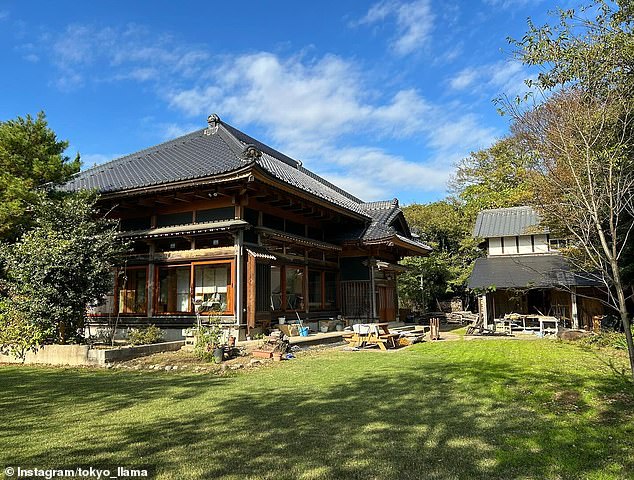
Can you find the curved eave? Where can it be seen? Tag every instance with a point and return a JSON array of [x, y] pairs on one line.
[[277, 235], [417, 248], [264, 176], [192, 229], [232, 175]]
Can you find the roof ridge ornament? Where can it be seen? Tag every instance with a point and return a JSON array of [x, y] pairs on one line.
[[213, 121], [251, 152]]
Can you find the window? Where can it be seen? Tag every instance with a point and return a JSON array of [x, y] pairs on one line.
[[174, 295], [215, 214], [211, 287], [330, 290], [171, 219], [314, 290], [132, 290], [295, 228], [294, 288], [140, 223], [557, 243], [287, 288], [276, 288], [273, 221]]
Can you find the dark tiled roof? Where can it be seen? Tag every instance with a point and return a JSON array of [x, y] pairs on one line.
[[200, 155], [388, 222], [525, 271], [500, 222], [194, 155], [197, 155]]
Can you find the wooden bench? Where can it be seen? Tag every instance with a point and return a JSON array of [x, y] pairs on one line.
[[389, 338]]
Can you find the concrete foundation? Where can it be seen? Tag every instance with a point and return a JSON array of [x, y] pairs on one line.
[[78, 355]]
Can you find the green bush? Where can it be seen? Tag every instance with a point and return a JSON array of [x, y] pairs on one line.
[[614, 340], [144, 336], [207, 338]]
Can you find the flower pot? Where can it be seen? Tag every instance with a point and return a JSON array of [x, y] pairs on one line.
[[277, 356], [281, 320], [261, 354], [218, 354], [324, 329]]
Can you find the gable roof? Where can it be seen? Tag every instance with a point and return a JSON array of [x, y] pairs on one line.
[[507, 222], [389, 224], [384, 215]]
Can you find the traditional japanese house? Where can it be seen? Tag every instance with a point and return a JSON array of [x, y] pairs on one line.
[[525, 273], [221, 223]]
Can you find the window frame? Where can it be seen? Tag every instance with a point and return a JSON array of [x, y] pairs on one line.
[[230, 310], [283, 285], [118, 270]]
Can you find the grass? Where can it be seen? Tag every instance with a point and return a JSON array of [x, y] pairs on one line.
[[490, 409]]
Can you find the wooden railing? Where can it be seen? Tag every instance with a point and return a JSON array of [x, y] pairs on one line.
[[355, 299]]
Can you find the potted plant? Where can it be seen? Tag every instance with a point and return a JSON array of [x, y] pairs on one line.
[[208, 342]]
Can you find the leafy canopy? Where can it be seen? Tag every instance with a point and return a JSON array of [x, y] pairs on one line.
[[31, 155], [54, 271]]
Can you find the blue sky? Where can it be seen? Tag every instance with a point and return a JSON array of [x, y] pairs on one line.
[[382, 98]]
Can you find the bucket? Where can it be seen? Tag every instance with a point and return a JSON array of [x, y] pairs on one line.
[[303, 331]]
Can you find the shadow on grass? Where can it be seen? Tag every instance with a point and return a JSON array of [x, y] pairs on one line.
[[459, 420]]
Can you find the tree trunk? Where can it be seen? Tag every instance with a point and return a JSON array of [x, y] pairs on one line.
[[628, 335]]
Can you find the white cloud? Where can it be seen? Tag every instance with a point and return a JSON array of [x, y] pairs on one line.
[[299, 101], [511, 3], [414, 23], [463, 79], [326, 111], [89, 160], [128, 53], [173, 130], [504, 77]]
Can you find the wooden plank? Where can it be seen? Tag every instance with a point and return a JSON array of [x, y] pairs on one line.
[[195, 254], [251, 307]]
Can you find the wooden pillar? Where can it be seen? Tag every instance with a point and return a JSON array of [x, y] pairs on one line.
[[151, 287], [239, 289], [372, 289], [484, 310], [574, 314], [251, 292]]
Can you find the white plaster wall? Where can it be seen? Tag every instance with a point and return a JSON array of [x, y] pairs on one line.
[[541, 244], [525, 244], [495, 246], [510, 246]]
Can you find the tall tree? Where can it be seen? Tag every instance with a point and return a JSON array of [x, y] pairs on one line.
[[581, 138], [31, 155], [444, 273], [495, 177], [54, 271]]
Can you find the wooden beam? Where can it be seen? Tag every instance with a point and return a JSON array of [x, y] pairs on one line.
[[251, 291]]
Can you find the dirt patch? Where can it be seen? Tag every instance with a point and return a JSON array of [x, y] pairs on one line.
[[185, 361]]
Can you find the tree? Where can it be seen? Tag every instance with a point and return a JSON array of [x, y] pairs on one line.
[[495, 177], [444, 273], [580, 139], [54, 271], [30, 156]]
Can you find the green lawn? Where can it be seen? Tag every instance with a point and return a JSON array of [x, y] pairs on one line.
[[464, 409]]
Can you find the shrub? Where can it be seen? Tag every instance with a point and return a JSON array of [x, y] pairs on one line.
[[207, 338], [144, 336], [614, 340]]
